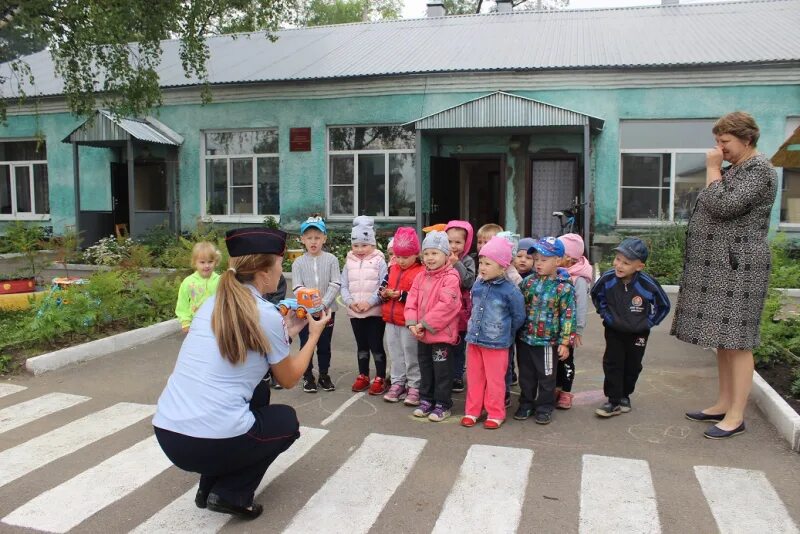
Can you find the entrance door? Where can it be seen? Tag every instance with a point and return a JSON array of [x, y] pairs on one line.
[[553, 188], [120, 208], [482, 179], [445, 190]]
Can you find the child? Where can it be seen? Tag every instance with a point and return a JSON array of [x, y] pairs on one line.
[[548, 332], [400, 342], [485, 233], [364, 269], [431, 314], [630, 303], [199, 285], [523, 262], [390, 251], [581, 274], [459, 236], [498, 312], [320, 270]]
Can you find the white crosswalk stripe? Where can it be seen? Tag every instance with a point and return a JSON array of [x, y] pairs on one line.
[[743, 501], [8, 389], [182, 516], [351, 512], [28, 411], [488, 493], [603, 481], [26, 457], [70, 503]]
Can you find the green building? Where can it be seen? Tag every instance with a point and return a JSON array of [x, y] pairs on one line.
[[502, 117]]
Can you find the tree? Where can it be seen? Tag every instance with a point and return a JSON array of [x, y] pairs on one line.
[[464, 7], [110, 50], [322, 12]]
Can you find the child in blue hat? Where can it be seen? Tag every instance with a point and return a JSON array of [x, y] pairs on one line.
[[630, 302], [548, 331]]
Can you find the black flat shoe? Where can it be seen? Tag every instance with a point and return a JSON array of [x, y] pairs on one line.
[[700, 416], [715, 432], [217, 504], [200, 498]]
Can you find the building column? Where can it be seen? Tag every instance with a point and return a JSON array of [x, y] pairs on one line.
[[131, 190], [587, 189], [76, 172], [418, 173]]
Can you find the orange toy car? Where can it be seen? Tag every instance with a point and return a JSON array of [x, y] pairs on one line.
[[308, 302]]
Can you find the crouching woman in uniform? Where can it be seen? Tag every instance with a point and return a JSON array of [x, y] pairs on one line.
[[214, 417]]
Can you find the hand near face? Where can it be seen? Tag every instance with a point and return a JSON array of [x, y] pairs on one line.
[[714, 158], [452, 258]]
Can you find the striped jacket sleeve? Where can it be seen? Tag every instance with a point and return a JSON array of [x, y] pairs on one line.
[[659, 304]]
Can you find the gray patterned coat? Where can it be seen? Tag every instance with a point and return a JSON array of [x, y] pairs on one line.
[[727, 260]]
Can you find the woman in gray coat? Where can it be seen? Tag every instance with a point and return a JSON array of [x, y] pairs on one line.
[[726, 267]]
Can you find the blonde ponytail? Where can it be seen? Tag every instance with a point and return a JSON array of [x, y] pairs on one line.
[[235, 319]]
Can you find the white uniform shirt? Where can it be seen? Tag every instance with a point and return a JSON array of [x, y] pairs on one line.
[[206, 395]]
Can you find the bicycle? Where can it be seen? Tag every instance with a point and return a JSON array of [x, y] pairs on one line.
[[567, 218]]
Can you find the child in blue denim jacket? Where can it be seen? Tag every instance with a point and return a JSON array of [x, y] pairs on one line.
[[498, 311]]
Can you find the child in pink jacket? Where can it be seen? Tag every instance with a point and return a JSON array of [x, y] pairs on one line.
[[431, 314]]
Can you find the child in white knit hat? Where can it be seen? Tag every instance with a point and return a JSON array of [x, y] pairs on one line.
[[431, 313], [364, 269]]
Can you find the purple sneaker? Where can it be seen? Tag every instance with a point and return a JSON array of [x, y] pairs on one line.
[[439, 413], [412, 397], [424, 408], [396, 393]]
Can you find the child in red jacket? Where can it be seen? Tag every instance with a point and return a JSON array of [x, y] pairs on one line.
[[431, 314], [401, 344]]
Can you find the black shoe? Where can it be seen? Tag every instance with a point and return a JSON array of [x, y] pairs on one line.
[[200, 498], [625, 404], [522, 413], [514, 379], [508, 399], [543, 418], [309, 384], [700, 416], [458, 385], [274, 385], [609, 410], [715, 432], [326, 383], [217, 504]]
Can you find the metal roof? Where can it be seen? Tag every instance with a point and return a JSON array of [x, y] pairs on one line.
[[103, 129], [638, 37], [788, 155], [504, 110]]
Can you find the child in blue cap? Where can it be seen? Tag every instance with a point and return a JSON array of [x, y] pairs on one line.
[[630, 302], [548, 331]]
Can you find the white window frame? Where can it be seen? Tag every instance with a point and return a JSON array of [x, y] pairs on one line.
[[355, 153], [673, 152], [792, 122], [24, 215], [236, 217]]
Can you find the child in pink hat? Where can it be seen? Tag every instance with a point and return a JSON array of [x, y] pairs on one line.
[[581, 273], [498, 311], [400, 342]]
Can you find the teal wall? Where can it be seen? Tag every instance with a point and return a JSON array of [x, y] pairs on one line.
[[302, 188]]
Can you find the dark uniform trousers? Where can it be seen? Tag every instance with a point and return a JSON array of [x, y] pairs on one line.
[[622, 362], [233, 467]]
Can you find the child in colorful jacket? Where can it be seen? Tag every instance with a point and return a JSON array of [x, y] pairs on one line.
[[431, 314], [548, 332]]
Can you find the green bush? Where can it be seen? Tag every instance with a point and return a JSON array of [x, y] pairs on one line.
[[785, 263], [666, 244]]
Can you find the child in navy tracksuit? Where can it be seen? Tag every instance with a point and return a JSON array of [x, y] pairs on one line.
[[630, 303]]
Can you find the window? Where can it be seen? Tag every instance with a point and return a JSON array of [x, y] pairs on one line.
[[371, 171], [241, 172], [662, 168], [24, 190], [790, 197]]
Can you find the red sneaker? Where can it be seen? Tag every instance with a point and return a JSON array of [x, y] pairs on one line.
[[361, 383], [469, 421], [378, 386], [492, 424], [564, 401]]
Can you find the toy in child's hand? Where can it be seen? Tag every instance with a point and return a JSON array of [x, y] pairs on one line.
[[308, 302]]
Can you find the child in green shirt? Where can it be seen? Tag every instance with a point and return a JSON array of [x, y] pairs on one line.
[[200, 285]]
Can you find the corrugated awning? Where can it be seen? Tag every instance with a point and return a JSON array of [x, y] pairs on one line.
[[788, 155], [504, 110], [103, 129]]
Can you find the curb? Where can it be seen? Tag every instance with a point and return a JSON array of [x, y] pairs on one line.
[[777, 411], [100, 347]]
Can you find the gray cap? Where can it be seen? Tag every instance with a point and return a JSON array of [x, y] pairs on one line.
[[633, 248], [363, 230], [437, 240]]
